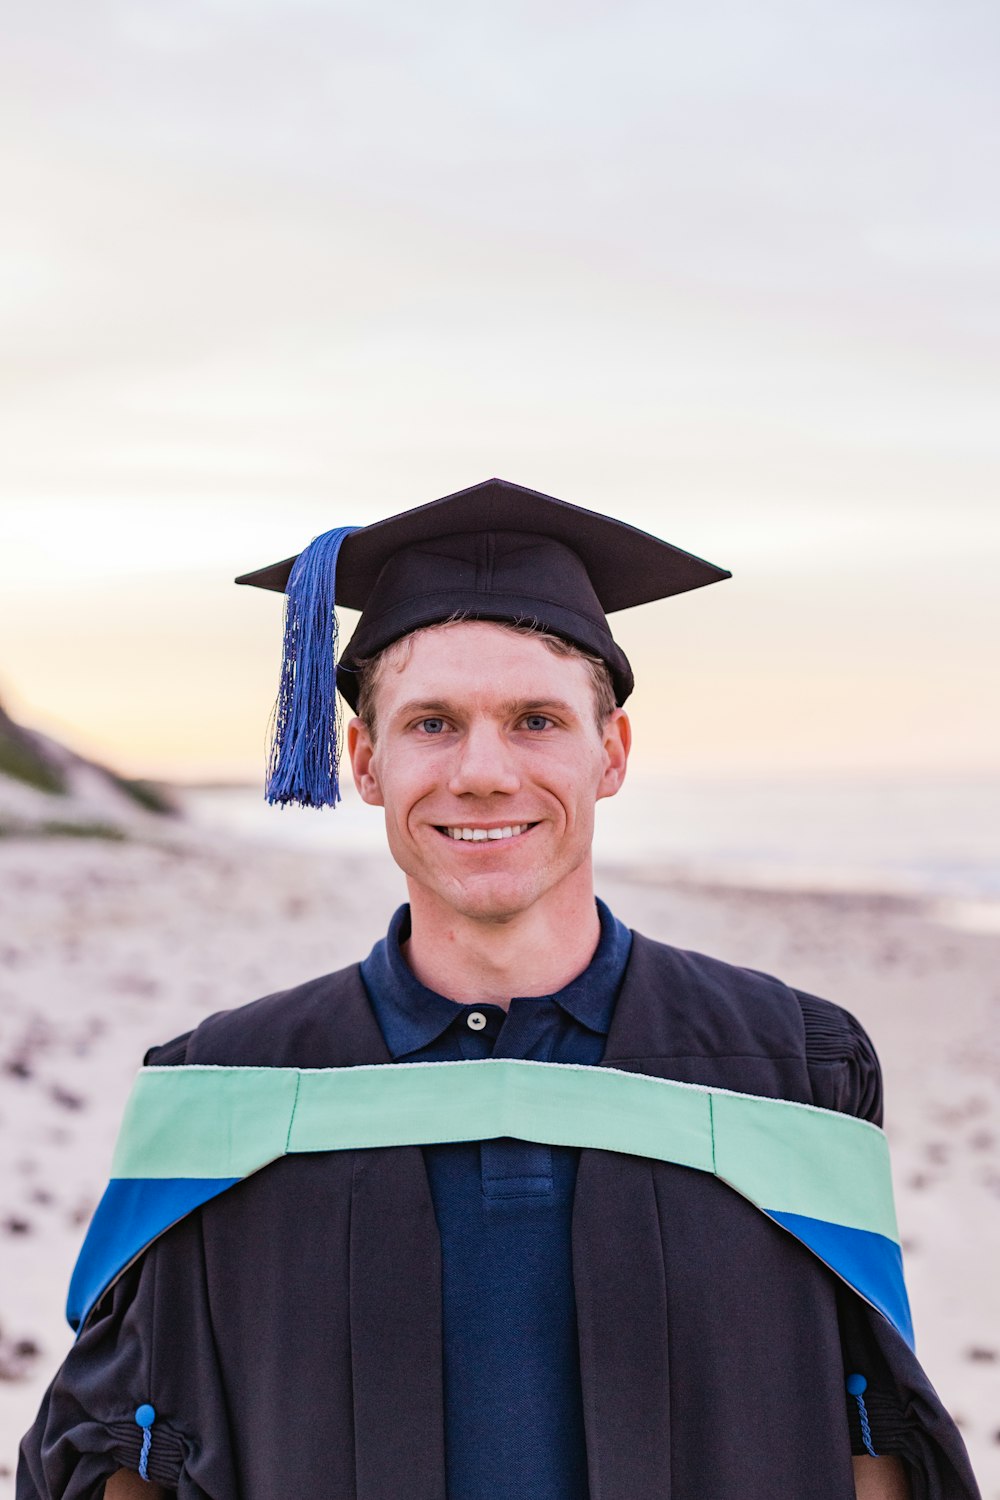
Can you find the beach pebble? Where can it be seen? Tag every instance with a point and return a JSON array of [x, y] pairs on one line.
[[17, 1356], [65, 1098]]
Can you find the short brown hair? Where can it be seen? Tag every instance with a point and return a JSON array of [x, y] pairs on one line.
[[371, 669]]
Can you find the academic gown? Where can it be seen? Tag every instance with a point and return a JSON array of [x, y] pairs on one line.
[[288, 1333]]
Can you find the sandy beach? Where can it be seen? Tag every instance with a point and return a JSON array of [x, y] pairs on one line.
[[106, 948]]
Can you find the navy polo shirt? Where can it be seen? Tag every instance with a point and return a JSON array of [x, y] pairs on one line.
[[512, 1397]]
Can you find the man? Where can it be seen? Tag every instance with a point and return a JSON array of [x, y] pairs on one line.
[[408, 1230]]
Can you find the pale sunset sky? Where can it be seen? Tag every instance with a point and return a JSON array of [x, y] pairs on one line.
[[729, 272]]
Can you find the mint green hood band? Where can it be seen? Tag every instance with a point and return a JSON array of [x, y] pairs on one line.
[[229, 1122], [198, 1130]]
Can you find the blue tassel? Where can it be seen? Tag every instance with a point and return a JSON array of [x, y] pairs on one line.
[[856, 1387], [145, 1417], [304, 754]]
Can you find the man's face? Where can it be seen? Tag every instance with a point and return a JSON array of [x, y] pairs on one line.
[[488, 763]]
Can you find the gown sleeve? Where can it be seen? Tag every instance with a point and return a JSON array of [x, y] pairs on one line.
[[843, 1066], [905, 1415], [147, 1343], [86, 1428]]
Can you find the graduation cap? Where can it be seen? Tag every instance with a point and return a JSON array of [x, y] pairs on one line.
[[496, 551]]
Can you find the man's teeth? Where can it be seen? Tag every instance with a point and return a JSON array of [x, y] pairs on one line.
[[478, 835]]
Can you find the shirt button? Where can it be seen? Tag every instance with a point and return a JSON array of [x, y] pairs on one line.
[[476, 1020]]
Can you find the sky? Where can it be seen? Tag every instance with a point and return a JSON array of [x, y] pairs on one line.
[[730, 273]]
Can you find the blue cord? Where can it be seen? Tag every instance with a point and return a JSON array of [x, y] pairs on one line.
[[856, 1387], [145, 1416]]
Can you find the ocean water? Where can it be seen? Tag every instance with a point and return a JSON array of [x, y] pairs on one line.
[[936, 837]]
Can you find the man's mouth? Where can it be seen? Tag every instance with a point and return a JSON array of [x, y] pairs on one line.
[[471, 834]]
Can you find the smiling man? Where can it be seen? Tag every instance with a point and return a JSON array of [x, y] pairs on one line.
[[524, 1206], [489, 752]]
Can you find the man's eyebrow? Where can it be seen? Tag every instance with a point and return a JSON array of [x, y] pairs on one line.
[[537, 706], [507, 709], [427, 706]]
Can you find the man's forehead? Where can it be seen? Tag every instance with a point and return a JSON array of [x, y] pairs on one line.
[[479, 659], [495, 635]]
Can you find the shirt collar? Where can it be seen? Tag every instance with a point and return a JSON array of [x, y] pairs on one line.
[[590, 997], [412, 1016]]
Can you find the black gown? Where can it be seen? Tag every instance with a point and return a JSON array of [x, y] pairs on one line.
[[288, 1333]]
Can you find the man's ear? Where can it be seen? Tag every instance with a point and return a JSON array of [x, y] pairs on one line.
[[617, 742], [362, 753]]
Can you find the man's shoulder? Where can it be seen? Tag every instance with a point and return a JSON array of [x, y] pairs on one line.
[[686, 978], [323, 1022], [729, 984], [697, 1005]]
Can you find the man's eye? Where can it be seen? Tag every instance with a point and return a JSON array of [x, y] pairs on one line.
[[536, 721], [432, 726]]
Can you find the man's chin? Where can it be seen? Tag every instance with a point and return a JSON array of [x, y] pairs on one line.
[[491, 909], [490, 900]]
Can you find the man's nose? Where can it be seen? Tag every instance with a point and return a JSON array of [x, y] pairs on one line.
[[484, 763]]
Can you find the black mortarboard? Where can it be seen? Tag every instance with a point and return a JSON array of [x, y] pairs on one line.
[[496, 551]]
